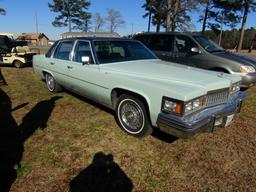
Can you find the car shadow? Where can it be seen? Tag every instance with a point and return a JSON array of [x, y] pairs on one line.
[[165, 137], [103, 174], [13, 136]]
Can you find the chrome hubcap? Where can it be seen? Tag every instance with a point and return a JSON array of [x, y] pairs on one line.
[[131, 116], [50, 82]]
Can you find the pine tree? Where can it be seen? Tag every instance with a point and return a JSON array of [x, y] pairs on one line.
[[149, 7], [155, 11], [2, 11], [245, 6], [177, 11], [70, 12], [218, 13]]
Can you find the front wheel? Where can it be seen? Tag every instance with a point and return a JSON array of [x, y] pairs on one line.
[[132, 116], [18, 64], [52, 85]]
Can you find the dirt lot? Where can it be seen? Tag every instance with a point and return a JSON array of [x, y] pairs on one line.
[[73, 144]]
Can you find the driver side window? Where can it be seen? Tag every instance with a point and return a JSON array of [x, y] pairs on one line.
[[83, 48], [183, 44]]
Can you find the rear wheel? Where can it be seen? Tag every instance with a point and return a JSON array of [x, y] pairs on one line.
[[18, 64], [51, 83], [132, 117]]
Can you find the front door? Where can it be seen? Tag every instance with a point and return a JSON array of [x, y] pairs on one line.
[[84, 77], [182, 50]]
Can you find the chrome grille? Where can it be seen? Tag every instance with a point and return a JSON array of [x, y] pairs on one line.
[[217, 97]]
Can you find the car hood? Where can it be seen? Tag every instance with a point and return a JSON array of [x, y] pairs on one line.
[[166, 72], [242, 59]]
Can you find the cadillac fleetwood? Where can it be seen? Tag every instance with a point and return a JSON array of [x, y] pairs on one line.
[[144, 91]]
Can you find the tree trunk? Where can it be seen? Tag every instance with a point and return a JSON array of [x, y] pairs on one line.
[[175, 14], [69, 25], [168, 16], [159, 16], [205, 16], [246, 10], [252, 43], [158, 25], [149, 20]]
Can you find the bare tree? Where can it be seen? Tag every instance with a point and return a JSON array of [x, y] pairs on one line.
[[114, 19], [98, 21]]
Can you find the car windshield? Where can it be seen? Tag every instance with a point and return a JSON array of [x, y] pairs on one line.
[[208, 44], [110, 51]]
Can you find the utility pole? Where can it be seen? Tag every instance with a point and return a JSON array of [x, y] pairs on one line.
[[36, 22], [132, 28], [36, 27]]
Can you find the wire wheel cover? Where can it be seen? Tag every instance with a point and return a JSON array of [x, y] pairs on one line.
[[131, 116]]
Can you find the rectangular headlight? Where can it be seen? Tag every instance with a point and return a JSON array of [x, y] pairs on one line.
[[178, 107], [172, 106], [195, 105], [235, 87]]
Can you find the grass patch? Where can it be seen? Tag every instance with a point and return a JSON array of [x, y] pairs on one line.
[[24, 169], [68, 133]]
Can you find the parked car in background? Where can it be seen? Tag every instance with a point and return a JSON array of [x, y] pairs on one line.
[[199, 51], [144, 91], [14, 53]]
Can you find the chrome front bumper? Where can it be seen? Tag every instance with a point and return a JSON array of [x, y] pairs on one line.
[[203, 121]]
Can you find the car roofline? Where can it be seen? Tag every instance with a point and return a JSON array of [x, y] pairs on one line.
[[96, 38]]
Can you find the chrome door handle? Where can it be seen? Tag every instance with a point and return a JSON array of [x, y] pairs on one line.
[[69, 67]]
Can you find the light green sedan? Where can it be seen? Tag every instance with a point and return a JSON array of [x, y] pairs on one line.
[[145, 92]]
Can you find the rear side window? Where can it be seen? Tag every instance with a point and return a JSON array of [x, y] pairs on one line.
[[63, 50], [50, 51], [161, 42], [144, 39]]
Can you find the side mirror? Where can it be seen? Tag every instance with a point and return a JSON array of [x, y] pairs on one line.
[[85, 60], [195, 50]]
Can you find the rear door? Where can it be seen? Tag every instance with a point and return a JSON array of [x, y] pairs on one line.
[[59, 62]]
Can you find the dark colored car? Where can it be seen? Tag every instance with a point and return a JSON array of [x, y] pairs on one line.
[[198, 51]]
